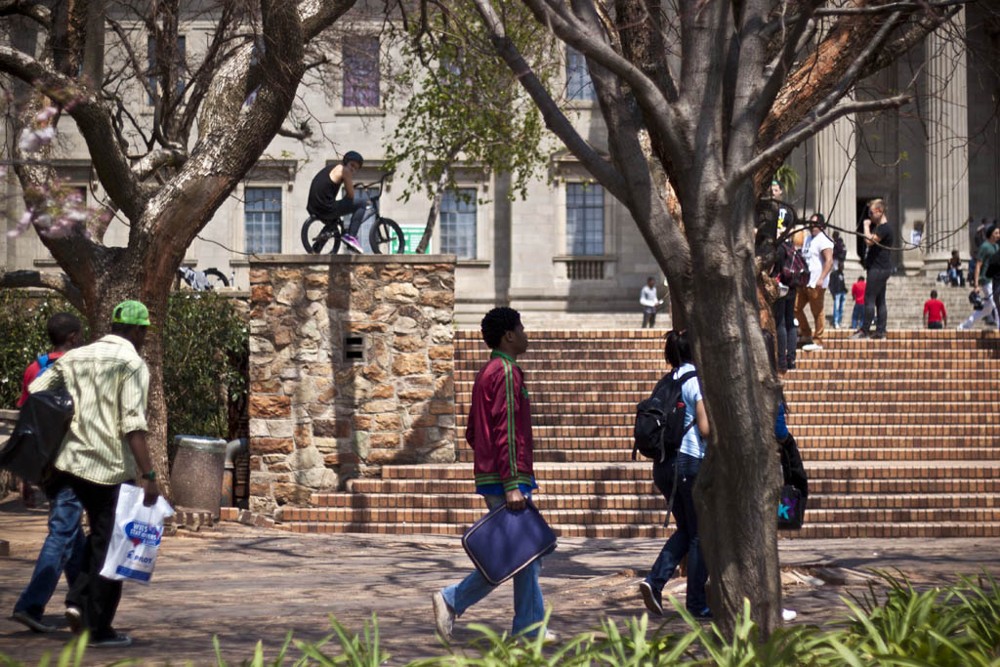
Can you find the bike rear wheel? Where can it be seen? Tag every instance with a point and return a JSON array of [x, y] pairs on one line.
[[216, 279], [386, 237], [319, 236]]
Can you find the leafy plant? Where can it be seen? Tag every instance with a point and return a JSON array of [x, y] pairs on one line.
[[23, 317], [205, 352]]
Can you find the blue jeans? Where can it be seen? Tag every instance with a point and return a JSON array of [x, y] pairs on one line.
[[529, 608], [858, 316], [838, 308], [685, 540], [61, 551]]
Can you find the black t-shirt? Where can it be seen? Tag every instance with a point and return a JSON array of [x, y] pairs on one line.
[[322, 192], [878, 256]]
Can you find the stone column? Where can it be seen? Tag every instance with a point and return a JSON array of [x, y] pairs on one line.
[[835, 178], [947, 142]]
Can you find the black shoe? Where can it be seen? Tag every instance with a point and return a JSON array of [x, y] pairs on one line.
[[35, 624], [859, 334], [878, 335], [704, 614], [651, 598], [113, 640]]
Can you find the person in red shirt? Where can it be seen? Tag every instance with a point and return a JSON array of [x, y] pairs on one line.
[[935, 315], [65, 332], [858, 294], [499, 432]]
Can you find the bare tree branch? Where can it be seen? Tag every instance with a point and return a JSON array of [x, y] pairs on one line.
[[554, 118], [921, 5], [93, 120], [33, 10], [152, 162], [813, 124], [58, 282]]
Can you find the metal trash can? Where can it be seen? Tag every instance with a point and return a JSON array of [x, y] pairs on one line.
[[196, 476]]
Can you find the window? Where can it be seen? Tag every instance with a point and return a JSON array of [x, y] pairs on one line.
[[179, 71], [262, 219], [458, 223], [578, 83], [361, 72], [584, 219]]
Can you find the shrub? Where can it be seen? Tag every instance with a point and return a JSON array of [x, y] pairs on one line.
[[205, 355], [22, 320]]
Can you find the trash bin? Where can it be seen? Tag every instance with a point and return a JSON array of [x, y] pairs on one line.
[[196, 476]]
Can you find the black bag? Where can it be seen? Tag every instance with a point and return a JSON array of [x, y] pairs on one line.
[[991, 269], [38, 435], [659, 419], [795, 492], [791, 508], [794, 270]]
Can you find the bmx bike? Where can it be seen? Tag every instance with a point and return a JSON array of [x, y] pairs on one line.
[[202, 281], [384, 236]]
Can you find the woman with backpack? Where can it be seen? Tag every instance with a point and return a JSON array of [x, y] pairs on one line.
[[675, 477]]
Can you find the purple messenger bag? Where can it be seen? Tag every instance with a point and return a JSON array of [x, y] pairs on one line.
[[503, 542]]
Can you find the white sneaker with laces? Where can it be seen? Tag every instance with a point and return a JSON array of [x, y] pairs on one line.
[[812, 347], [788, 615], [444, 617]]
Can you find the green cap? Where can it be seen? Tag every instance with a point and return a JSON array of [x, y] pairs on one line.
[[131, 312]]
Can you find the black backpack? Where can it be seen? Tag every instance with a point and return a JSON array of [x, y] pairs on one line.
[[991, 268], [659, 419], [793, 270], [38, 435]]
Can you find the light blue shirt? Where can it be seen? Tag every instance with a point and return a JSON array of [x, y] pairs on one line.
[[692, 444]]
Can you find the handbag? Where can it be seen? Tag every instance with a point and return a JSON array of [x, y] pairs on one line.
[[38, 435], [504, 542], [135, 541], [791, 508]]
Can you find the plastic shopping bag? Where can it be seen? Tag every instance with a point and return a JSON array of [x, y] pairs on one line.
[[136, 537]]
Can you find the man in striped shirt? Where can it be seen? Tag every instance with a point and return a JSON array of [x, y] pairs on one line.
[[105, 446]]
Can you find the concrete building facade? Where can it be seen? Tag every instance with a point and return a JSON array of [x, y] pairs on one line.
[[569, 247]]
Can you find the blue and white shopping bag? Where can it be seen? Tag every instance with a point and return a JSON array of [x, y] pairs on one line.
[[136, 537]]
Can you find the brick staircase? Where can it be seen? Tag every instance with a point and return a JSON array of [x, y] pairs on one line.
[[893, 434]]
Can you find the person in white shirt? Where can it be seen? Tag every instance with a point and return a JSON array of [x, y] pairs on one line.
[[649, 302], [818, 251]]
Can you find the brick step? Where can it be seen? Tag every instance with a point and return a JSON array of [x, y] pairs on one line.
[[805, 427], [621, 531], [361, 488], [636, 501], [598, 402], [585, 516], [586, 411], [809, 454], [971, 371], [597, 473]]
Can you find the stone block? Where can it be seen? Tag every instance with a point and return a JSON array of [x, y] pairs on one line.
[[289, 493], [442, 407], [401, 293], [264, 446], [303, 459], [409, 364], [382, 441], [408, 343], [269, 405], [387, 422], [261, 293], [441, 352]]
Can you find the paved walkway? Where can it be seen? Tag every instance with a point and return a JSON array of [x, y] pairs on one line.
[[247, 584]]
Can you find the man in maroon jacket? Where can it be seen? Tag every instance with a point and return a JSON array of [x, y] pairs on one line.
[[499, 432]]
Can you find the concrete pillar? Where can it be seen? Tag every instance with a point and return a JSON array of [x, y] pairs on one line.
[[947, 143], [835, 179]]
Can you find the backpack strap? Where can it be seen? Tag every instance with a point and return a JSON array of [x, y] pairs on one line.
[[682, 379]]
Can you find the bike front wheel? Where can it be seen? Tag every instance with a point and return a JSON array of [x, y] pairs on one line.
[[318, 236], [386, 237], [215, 279]]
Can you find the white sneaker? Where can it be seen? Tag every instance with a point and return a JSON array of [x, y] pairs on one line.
[[444, 617], [812, 347], [550, 637], [788, 615]]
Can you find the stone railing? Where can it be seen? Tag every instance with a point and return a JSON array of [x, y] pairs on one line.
[[351, 367]]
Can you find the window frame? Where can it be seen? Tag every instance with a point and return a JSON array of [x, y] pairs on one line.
[[352, 95], [473, 199], [247, 235]]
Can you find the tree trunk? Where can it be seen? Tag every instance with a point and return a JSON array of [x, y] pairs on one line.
[[737, 490]]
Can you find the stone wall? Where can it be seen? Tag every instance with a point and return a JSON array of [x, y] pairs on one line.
[[351, 367]]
